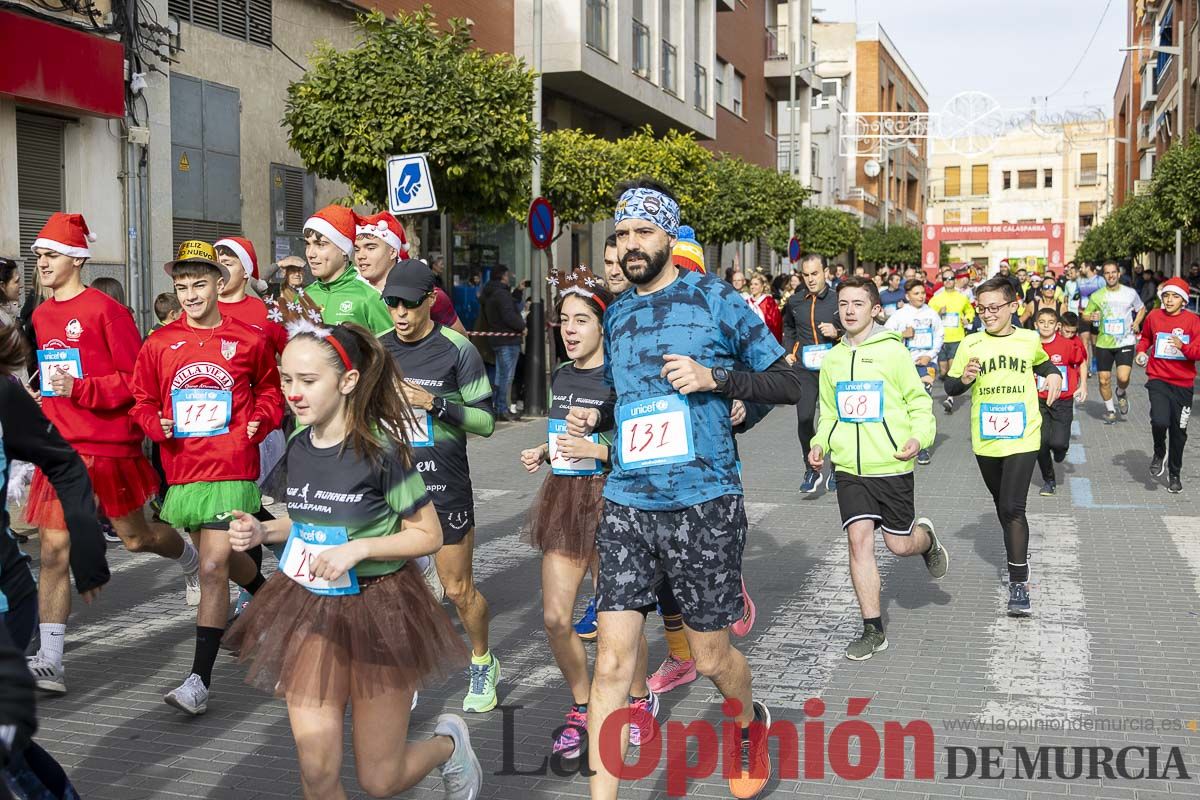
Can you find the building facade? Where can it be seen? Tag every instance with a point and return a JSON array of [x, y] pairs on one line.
[[1043, 174]]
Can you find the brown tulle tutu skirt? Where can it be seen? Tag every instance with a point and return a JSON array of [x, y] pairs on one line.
[[565, 515], [391, 636]]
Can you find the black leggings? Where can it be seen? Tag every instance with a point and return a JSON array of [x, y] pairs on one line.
[[1007, 478], [806, 408]]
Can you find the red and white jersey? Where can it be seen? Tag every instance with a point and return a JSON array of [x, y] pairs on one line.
[[253, 312], [99, 342], [212, 383]]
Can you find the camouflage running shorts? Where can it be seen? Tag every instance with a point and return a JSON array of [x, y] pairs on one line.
[[699, 549]]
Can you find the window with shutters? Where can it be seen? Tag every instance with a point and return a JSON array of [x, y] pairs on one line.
[[1087, 217], [979, 180], [293, 196], [1087, 169], [1027, 179], [39, 179], [248, 20], [952, 216], [953, 180], [979, 216], [205, 156]]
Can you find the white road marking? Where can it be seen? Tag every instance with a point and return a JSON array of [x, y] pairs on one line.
[[1043, 664], [1185, 533]]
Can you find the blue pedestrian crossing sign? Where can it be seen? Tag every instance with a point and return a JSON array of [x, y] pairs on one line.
[[410, 188]]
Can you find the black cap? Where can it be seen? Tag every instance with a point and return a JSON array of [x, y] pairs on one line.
[[409, 280]]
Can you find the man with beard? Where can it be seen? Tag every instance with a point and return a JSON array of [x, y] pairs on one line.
[[673, 502]]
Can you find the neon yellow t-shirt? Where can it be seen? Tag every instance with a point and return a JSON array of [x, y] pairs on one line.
[[1005, 417], [956, 312]]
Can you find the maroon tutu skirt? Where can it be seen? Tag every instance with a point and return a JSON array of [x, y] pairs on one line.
[[313, 649], [122, 485], [565, 515]]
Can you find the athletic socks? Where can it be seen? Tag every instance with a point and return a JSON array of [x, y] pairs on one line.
[[208, 641], [873, 622], [253, 586], [53, 636], [676, 638], [256, 553], [189, 560], [1018, 573], [1109, 405]]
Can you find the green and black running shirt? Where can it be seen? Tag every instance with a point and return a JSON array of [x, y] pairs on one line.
[[446, 365]]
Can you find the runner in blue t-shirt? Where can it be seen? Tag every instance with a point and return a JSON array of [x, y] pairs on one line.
[[673, 502]]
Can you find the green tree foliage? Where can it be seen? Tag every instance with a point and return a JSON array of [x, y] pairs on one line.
[[824, 230], [1175, 190], [748, 202], [411, 86], [1135, 228], [899, 244]]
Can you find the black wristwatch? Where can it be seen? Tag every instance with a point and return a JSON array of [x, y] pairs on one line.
[[721, 377], [438, 407]]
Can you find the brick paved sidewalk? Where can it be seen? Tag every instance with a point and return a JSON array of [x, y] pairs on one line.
[[1116, 634]]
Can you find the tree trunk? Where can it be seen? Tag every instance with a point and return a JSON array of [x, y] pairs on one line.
[[411, 224]]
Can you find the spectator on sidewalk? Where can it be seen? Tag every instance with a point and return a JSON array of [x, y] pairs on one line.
[[498, 314]]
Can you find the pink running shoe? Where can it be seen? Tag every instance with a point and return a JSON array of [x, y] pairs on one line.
[[569, 742], [746, 623], [645, 711], [671, 674]]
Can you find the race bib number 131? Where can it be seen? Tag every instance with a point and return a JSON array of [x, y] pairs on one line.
[[655, 432]]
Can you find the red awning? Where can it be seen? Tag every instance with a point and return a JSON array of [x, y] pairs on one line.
[[61, 67]]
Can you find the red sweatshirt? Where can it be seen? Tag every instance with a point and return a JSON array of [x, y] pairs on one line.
[[1069, 353], [253, 312], [232, 358], [1180, 370], [95, 418]]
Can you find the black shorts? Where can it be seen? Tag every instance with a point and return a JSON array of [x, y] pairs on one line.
[[887, 499], [698, 549], [1105, 357], [949, 351], [456, 525]]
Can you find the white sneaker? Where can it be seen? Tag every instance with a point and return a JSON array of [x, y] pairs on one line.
[[191, 582], [462, 776], [48, 676], [191, 696]]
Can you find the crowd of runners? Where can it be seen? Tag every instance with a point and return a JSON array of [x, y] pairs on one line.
[[351, 401]]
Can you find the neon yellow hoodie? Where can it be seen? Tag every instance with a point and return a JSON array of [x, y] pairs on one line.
[[872, 402]]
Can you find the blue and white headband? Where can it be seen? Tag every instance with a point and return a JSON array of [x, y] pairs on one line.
[[650, 205]]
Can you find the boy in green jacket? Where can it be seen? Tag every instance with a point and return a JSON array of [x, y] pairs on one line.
[[875, 418]]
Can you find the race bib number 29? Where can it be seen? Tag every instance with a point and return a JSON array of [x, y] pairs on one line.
[[655, 432], [560, 464]]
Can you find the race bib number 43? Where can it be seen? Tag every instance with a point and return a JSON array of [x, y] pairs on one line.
[[860, 401], [655, 432], [201, 412], [560, 464], [1001, 420], [304, 545], [58, 362]]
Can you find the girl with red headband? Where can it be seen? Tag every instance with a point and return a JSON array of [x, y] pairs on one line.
[[566, 512], [348, 619]]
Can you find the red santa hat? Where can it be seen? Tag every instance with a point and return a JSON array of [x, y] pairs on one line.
[[244, 250], [384, 227], [1177, 285], [67, 234], [337, 224]]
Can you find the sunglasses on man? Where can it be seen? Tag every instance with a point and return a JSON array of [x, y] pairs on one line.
[[411, 305]]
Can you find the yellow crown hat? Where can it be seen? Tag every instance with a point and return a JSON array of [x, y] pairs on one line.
[[194, 251]]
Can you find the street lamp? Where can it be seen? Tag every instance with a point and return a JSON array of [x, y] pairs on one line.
[[792, 110]]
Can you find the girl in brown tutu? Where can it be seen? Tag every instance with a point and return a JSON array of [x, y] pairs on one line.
[[566, 512], [348, 619]]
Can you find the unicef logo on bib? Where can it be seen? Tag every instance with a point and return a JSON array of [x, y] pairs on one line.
[[661, 405]]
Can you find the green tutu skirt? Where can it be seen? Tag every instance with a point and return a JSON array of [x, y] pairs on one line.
[[192, 506]]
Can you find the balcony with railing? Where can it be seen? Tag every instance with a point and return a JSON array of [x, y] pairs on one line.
[[669, 68], [700, 87], [777, 42], [641, 49]]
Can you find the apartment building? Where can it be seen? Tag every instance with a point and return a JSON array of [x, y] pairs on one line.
[[861, 71], [1044, 174]]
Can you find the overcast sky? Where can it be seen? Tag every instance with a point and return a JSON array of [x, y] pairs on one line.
[[1013, 50]]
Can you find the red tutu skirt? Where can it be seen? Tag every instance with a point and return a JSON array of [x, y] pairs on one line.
[[313, 649], [565, 515], [121, 486]]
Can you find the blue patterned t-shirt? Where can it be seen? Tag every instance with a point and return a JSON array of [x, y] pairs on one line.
[[704, 318]]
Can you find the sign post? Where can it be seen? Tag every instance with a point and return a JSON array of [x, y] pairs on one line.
[[539, 224]]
